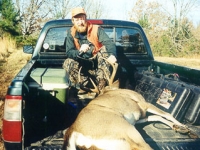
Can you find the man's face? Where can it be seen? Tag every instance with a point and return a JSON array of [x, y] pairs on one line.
[[80, 23]]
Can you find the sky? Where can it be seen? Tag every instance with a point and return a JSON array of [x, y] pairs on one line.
[[120, 8]]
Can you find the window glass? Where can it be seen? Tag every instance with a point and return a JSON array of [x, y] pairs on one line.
[[55, 40], [110, 33], [128, 40]]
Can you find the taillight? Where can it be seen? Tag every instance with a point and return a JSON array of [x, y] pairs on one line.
[[12, 119]]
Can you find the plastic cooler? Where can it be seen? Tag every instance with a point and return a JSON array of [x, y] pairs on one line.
[[46, 104], [53, 81]]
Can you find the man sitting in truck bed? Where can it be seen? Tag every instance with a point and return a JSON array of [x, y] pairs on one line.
[[86, 44]]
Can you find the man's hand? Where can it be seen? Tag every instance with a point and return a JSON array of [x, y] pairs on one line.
[[84, 48], [112, 59]]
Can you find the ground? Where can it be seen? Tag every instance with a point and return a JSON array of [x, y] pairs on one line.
[[187, 62], [10, 67]]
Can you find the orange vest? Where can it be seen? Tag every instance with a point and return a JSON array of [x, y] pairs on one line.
[[92, 37]]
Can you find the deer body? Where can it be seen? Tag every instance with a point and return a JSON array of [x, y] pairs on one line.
[[107, 122]]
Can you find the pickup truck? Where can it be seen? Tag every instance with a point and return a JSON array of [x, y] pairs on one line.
[[40, 103]]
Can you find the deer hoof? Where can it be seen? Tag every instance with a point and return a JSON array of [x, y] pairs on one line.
[[192, 135], [181, 129]]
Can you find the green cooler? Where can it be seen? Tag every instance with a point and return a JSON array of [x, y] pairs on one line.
[[54, 81], [46, 107]]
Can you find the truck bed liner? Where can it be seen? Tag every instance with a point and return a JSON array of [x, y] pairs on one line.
[[157, 135], [160, 136]]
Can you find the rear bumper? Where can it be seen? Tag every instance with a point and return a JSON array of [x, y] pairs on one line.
[[12, 146]]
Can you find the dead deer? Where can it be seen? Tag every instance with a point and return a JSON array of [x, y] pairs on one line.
[[107, 122]]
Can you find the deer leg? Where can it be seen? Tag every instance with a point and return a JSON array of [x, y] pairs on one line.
[[159, 118], [169, 119], [136, 140], [153, 118], [154, 110]]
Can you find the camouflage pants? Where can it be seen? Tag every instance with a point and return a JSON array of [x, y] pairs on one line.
[[94, 68]]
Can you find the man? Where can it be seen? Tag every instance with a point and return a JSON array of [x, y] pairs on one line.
[[86, 44]]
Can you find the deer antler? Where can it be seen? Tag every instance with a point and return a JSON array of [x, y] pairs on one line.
[[111, 78], [95, 90]]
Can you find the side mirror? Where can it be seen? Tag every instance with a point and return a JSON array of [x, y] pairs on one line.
[[28, 49]]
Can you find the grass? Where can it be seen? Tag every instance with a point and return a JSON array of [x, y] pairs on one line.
[[10, 67], [192, 62], [7, 46]]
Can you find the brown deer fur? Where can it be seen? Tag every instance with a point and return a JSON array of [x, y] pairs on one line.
[[107, 122]]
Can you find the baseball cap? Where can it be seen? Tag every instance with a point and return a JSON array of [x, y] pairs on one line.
[[78, 10]]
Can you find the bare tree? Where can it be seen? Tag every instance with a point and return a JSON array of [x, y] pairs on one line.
[[61, 8], [179, 12], [149, 12], [33, 14], [168, 25], [181, 8], [95, 8], [180, 25]]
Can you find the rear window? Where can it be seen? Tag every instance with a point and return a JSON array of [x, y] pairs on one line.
[[127, 40], [55, 40]]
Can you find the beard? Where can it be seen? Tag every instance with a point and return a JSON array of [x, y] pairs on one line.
[[81, 28]]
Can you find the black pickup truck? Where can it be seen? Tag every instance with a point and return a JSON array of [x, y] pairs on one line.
[[40, 103]]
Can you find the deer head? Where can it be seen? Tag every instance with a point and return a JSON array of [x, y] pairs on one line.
[[110, 80]]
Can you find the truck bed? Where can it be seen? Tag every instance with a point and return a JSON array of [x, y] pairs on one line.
[[157, 135]]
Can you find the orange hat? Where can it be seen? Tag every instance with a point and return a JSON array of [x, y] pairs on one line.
[[78, 10]]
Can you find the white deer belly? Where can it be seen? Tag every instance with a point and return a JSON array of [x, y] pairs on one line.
[[132, 118], [78, 139]]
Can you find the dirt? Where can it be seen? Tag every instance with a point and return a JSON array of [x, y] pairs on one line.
[[11, 66]]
